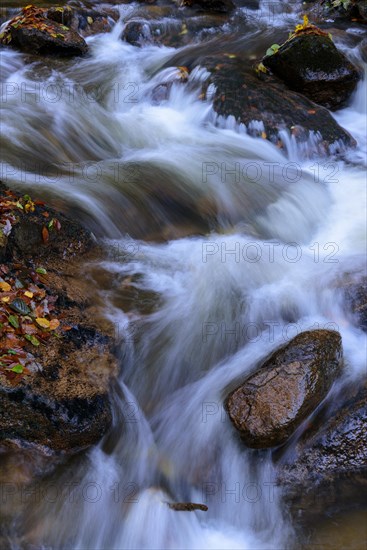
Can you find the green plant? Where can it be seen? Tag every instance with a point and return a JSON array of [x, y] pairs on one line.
[[273, 49]]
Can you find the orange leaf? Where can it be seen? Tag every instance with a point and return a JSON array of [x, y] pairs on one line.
[[45, 234], [54, 323], [5, 287]]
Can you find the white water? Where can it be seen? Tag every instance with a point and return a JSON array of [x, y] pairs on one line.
[[269, 269]]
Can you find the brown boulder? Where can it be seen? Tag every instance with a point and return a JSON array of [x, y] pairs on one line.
[[270, 404], [33, 33], [59, 399]]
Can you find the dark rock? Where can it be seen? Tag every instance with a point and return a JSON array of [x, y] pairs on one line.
[[86, 22], [259, 97], [360, 7], [82, 20], [33, 33], [355, 293], [310, 63], [65, 15], [329, 471], [355, 10], [137, 33], [63, 423], [221, 6], [276, 399], [187, 506]]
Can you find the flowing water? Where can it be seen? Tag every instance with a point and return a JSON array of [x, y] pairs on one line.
[[241, 245]]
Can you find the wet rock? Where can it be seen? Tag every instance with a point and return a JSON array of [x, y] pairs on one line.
[[355, 293], [360, 7], [221, 6], [187, 506], [86, 22], [67, 413], [310, 63], [264, 104], [355, 10], [276, 399], [33, 33], [328, 473], [65, 15], [137, 33], [61, 401]]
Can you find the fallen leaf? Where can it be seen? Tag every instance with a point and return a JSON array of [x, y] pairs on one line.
[[32, 339], [45, 234], [54, 324], [17, 368], [42, 322], [20, 306], [5, 287], [13, 320]]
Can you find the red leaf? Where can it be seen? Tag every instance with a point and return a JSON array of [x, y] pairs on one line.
[[45, 234]]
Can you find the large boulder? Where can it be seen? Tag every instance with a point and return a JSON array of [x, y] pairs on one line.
[[326, 472], [264, 104], [310, 63], [57, 359], [270, 404], [33, 33], [65, 407]]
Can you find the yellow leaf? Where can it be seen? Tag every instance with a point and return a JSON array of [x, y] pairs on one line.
[[5, 299], [42, 322], [29, 207], [28, 294], [261, 68], [54, 323], [263, 135], [305, 20], [90, 20], [5, 287]]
